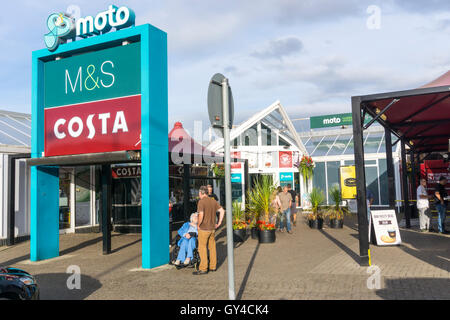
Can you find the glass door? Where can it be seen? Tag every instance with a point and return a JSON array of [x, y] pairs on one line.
[[66, 200]]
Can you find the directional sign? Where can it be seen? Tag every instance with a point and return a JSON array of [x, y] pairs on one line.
[[215, 109]]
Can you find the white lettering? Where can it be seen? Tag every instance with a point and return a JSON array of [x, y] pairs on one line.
[[79, 75], [85, 26], [120, 123], [104, 117], [107, 73], [58, 123], [101, 21], [90, 126], [72, 133]]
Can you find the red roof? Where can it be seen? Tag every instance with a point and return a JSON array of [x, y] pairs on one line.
[[182, 143], [422, 115]]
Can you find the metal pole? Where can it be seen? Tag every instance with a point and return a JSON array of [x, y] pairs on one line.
[[363, 223], [405, 187], [413, 181], [106, 208], [390, 168], [12, 200], [226, 136]]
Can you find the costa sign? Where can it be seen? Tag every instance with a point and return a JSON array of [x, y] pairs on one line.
[[126, 172], [101, 126]]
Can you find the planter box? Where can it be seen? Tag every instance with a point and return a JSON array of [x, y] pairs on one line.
[[336, 223], [255, 233], [267, 236], [316, 224], [239, 235]]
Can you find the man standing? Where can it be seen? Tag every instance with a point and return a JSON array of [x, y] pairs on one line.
[[286, 203], [441, 203], [207, 208], [422, 206], [294, 205], [211, 193]]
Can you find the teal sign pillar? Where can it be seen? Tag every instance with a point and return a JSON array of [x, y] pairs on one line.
[[154, 143], [44, 213]]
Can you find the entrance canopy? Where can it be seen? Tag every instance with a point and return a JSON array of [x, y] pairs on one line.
[[420, 117]]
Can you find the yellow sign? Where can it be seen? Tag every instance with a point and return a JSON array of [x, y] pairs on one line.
[[348, 182]]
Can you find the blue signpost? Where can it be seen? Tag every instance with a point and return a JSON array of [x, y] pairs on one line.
[[154, 143]]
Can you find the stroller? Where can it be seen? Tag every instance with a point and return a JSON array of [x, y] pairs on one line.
[[195, 261]]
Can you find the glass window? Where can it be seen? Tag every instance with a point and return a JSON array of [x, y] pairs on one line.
[[332, 176], [268, 137], [372, 143], [382, 168], [236, 142], [312, 144], [324, 146], [339, 145], [372, 183], [283, 142], [250, 136], [83, 196], [319, 180]]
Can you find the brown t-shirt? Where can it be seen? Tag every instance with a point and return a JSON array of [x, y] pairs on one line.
[[209, 207]]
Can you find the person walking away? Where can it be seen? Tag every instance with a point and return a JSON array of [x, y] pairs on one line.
[[207, 208], [276, 206], [293, 206], [286, 203], [441, 203], [423, 206]]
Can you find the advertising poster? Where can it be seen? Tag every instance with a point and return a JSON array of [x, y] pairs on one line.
[[348, 182], [285, 159], [386, 228]]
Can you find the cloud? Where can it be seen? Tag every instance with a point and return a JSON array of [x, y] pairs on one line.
[[279, 48]]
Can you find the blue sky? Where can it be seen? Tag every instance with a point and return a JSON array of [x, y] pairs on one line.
[[311, 55]]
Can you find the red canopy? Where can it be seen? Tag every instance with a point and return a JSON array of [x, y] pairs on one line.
[[182, 144], [420, 116]]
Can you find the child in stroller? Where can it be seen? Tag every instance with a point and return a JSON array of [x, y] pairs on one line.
[[186, 245]]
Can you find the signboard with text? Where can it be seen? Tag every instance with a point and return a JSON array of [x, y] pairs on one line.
[[386, 227], [333, 120], [348, 182], [92, 102], [285, 159]]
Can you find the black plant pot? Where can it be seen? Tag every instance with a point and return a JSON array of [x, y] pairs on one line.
[[239, 235], [316, 224], [267, 236], [254, 232], [336, 223]]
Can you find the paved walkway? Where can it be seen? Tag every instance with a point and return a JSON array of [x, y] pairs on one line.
[[308, 264]]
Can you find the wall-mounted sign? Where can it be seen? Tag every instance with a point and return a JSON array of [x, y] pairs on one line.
[[348, 182], [101, 126], [286, 176], [98, 75], [333, 120], [236, 177], [386, 227], [92, 102], [285, 159], [126, 172], [63, 27]]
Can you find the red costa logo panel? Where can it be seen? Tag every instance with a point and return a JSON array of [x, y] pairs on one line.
[[101, 126]]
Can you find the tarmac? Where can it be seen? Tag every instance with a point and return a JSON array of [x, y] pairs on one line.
[[307, 264]]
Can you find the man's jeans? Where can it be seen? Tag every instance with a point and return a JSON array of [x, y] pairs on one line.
[[287, 219], [441, 209]]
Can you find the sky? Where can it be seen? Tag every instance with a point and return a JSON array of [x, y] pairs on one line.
[[311, 55]]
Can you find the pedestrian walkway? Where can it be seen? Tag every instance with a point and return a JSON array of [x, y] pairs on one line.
[[308, 264]]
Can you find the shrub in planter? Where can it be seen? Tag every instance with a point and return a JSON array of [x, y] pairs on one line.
[[316, 198], [239, 225], [336, 213]]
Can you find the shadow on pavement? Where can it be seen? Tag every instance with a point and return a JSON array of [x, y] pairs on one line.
[[431, 248], [346, 249], [125, 246], [415, 289], [53, 286], [247, 274]]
